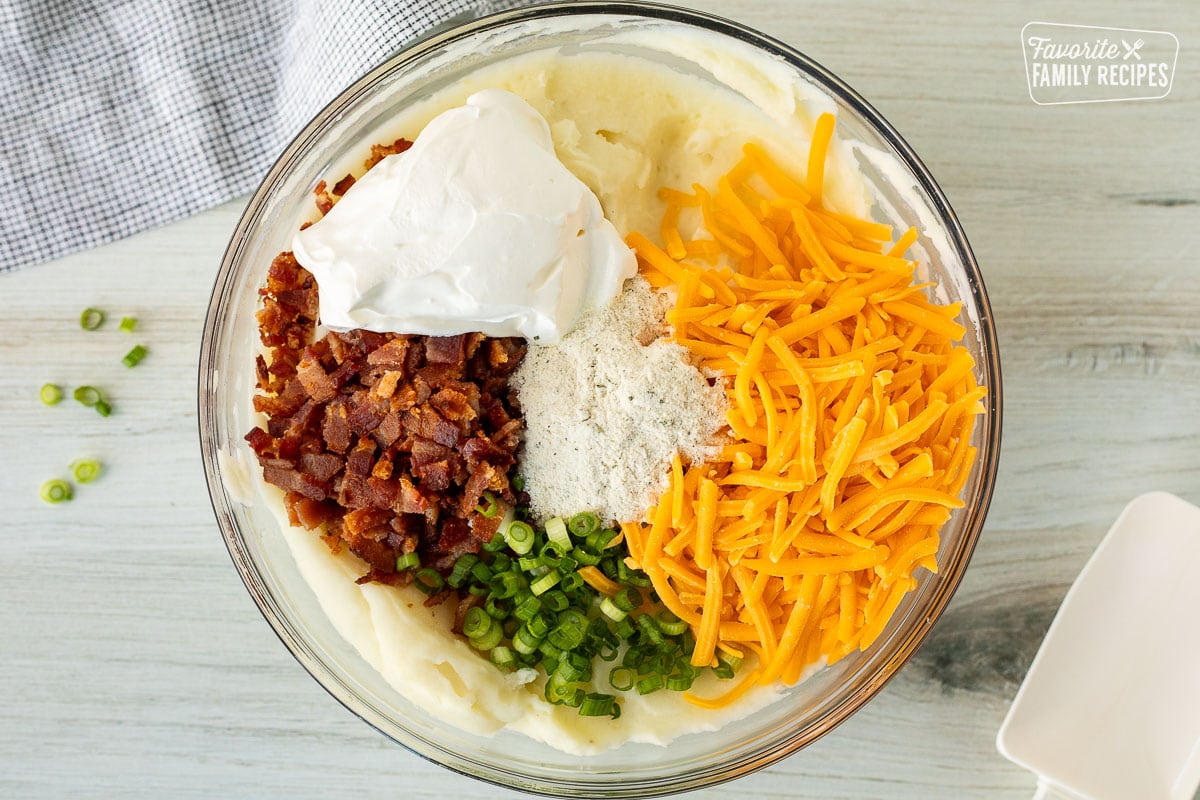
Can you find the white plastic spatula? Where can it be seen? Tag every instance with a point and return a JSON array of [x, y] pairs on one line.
[[1110, 708]]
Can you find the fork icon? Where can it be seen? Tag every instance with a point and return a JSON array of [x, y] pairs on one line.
[[1132, 49]]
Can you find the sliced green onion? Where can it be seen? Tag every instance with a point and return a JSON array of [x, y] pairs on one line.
[[670, 624], [571, 581], [135, 355], [598, 540], [103, 408], [621, 678], [596, 704], [549, 556], [539, 626], [491, 508], [51, 394], [481, 572], [563, 694], [566, 637], [497, 543], [681, 682], [85, 470], [552, 654], [556, 530], [555, 601], [649, 628], [525, 642], [488, 640], [546, 582], [127, 324], [726, 666], [518, 483], [462, 569], [477, 623], [584, 523], [91, 319], [55, 490], [429, 580], [650, 683], [504, 585], [627, 599], [573, 667], [632, 577], [528, 608], [503, 657], [519, 536], [407, 561], [496, 609], [585, 558], [87, 395], [611, 610]]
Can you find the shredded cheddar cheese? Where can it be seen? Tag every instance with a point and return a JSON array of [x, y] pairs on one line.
[[851, 408]]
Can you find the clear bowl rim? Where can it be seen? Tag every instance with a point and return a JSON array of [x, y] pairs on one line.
[[956, 565]]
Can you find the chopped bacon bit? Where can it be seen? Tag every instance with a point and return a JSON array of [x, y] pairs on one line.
[[384, 443], [323, 198], [343, 186], [382, 151]]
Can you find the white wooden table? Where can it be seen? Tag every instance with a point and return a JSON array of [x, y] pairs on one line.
[[133, 663]]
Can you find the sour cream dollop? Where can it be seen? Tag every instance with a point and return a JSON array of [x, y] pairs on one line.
[[477, 227]]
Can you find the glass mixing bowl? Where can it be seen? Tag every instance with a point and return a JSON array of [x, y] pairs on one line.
[[905, 194]]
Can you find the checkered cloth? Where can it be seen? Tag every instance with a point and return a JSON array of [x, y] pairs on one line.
[[119, 115]]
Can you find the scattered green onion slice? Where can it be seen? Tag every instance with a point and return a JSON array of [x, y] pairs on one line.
[[408, 561], [503, 585], [680, 683], [726, 666], [88, 395], [520, 537], [622, 678], [627, 599], [51, 394], [518, 483], [477, 623], [135, 355], [489, 508], [651, 683], [539, 626], [503, 657], [546, 582], [556, 530], [488, 640], [611, 610], [91, 319], [670, 624], [528, 608], [462, 569], [127, 324], [584, 524], [555, 600], [85, 470], [598, 705], [429, 580], [55, 490], [103, 408]]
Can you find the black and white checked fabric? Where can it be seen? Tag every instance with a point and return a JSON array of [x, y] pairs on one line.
[[119, 115]]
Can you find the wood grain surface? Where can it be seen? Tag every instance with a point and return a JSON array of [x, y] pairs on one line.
[[134, 664]]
